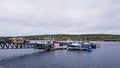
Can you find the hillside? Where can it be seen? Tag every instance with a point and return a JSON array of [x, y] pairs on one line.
[[91, 37]]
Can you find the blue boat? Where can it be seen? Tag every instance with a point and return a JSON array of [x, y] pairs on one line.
[[79, 46], [94, 46]]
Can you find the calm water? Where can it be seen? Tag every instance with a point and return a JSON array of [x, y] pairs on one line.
[[108, 56]]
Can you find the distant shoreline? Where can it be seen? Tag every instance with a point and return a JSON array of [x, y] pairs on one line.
[[91, 37]]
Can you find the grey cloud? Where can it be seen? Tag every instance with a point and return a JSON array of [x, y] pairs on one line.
[[26, 17]]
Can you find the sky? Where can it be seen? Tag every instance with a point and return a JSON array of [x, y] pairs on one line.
[[36, 17]]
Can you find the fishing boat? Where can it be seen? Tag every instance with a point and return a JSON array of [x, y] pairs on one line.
[[79, 46]]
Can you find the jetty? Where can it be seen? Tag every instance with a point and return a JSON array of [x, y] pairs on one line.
[[20, 43]]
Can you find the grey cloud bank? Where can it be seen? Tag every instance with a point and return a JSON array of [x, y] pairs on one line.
[[33, 17]]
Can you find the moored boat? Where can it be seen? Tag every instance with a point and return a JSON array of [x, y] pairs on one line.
[[83, 45], [79, 46]]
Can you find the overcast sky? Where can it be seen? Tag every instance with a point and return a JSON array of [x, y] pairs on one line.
[[36, 17]]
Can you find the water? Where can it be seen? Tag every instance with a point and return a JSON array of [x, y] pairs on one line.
[[11, 53], [107, 56]]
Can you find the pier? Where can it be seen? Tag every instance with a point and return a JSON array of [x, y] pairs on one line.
[[22, 46], [49, 45], [15, 46]]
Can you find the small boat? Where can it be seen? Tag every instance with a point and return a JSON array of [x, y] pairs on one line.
[[92, 45]]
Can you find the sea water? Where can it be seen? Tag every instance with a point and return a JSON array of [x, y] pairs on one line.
[[107, 56]]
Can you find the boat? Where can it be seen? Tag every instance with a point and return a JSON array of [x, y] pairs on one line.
[[79, 46], [92, 45]]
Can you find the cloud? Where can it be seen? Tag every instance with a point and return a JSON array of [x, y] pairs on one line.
[[28, 17]]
